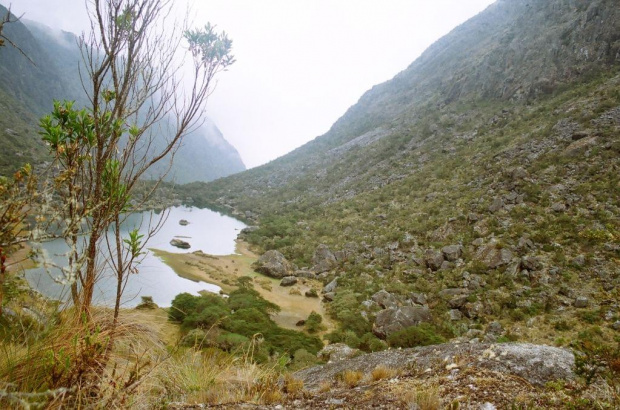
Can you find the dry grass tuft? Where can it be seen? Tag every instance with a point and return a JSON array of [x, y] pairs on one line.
[[350, 378], [292, 385], [325, 386], [382, 372], [426, 398]]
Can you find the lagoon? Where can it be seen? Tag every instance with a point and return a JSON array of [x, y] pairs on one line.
[[208, 231]]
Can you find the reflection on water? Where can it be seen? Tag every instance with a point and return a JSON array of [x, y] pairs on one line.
[[207, 231]]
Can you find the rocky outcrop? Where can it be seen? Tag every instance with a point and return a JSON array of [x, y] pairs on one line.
[[537, 364], [389, 321], [273, 263]]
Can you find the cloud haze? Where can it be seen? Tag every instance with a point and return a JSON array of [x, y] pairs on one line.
[[300, 63]]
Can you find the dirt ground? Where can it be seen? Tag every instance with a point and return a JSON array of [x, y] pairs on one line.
[[223, 271]]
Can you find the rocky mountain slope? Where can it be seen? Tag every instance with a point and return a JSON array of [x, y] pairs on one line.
[[27, 90], [474, 197]]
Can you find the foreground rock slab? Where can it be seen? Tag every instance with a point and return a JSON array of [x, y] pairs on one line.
[[537, 364]]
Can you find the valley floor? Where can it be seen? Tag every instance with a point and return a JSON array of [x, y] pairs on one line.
[[224, 270]]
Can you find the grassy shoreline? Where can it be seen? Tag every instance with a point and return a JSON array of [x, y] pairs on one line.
[[224, 270]]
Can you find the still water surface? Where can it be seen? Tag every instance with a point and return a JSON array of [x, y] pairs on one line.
[[208, 231]]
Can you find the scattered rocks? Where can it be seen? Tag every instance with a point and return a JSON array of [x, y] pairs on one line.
[[273, 263]]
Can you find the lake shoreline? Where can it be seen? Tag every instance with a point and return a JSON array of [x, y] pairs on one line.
[[223, 270]]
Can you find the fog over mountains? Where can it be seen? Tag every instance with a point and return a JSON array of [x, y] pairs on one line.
[[27, 90]]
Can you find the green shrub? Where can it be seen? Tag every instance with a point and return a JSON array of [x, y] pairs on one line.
[[314, 323], [422, 335]]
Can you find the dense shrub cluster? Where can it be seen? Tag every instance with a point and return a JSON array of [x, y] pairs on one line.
[[236, 321]]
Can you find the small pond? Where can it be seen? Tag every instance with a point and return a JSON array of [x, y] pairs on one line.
[[206, 230]]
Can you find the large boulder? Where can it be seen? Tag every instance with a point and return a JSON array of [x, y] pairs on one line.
[[536, 364], [389, 321], [323, 259], [273, 263]]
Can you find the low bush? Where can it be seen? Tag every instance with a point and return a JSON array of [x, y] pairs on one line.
[[422, 335]]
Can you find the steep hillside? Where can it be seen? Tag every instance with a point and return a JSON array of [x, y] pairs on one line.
[[28, 89], [477, 191]]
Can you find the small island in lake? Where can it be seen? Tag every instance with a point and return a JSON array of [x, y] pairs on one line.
[[180, 243]]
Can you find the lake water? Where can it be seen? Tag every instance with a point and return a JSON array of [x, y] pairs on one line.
[[208, 231]]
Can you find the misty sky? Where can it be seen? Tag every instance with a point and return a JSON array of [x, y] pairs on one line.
[[300, 63]]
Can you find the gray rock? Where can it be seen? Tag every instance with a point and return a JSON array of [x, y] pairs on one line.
[[183, 222], [273, 263], [496, 205], [249, 229], [385, 299], [418, 298], [389, 321], [493, 257], [304, 273], [578, 135], [180, 243], [579, 260], [455, 314], [616, 325], [288, 281], [472, 310], [525, 243], [581, 302], [329, 297], [518, 173], [323, 259], [495, 328], [531, 263], [452, 252], [331, 286], [537, 364], [433, 259], [558, 207], [451, 292], [458, 302], [477, 242], [336, 352]]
